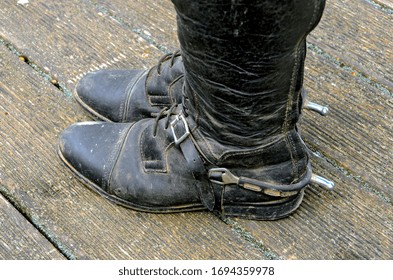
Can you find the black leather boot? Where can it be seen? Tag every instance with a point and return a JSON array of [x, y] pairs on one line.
[[232, 146], [131, 95]]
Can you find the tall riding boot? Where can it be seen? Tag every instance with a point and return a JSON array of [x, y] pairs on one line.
[[232, 146], [130, 95]]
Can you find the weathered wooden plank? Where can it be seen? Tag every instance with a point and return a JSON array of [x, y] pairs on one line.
[[358, 133], [83, 224], [358, 35], [19, 239], [349, 223], [72, 38], [154, 20], [362, 42]]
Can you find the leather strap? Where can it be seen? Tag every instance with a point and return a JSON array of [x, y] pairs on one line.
[[182, 138]]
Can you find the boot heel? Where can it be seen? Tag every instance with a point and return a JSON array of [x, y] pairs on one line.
[[263, 211]]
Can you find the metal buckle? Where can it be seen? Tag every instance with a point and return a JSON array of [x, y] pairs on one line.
[[174, 123]]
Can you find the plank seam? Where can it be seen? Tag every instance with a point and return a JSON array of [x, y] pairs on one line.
[[39, 70], [363, 184], [137, 31], [380, 6], [247, 236], [361, 76], [63, 250]]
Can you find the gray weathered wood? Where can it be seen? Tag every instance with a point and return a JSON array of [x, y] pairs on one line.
[[72, 38], [19, 239], [358, 35], [358, 133]]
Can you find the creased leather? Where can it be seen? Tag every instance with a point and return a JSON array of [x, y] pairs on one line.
[[130, 95], [244, 62]]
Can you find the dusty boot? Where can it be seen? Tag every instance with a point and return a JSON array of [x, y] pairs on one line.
[[232, 146], [130, 95]]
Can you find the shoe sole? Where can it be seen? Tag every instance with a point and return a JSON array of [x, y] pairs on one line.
[[252, 211], [89, 109], [264, 211], [157, 210]]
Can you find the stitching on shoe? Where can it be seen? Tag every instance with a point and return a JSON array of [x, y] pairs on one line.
[[116, 152], [254, 151], [159, 100], [148, 77], [292, 88], [164, 168], [294, 156], [129, 95]]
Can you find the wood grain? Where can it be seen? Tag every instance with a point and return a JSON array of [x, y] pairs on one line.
[[358, 35], [385, 3], [358, 132], [72, 38], [19, 240]]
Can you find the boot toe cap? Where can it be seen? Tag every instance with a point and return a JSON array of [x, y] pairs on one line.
[[89, 149], [105, 92]]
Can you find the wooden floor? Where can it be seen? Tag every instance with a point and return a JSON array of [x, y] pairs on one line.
[[46, 213]]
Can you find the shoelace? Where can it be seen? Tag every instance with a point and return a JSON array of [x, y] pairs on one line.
[[170, 56], [164, 112]]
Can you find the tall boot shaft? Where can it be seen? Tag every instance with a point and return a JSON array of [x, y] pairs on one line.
[[244, 65]]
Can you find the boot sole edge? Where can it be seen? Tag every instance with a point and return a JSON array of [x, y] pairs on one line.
[[118, 201], [89, 109], [263, 213], [250, 212]]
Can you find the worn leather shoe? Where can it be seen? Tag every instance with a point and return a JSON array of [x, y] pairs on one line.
[[154, 165], [131, 95]]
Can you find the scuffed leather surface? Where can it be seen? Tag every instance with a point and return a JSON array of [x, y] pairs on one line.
[[130, 95], [128, 161]]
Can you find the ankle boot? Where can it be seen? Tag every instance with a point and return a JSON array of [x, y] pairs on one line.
[[232, 146], [130, 95]]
